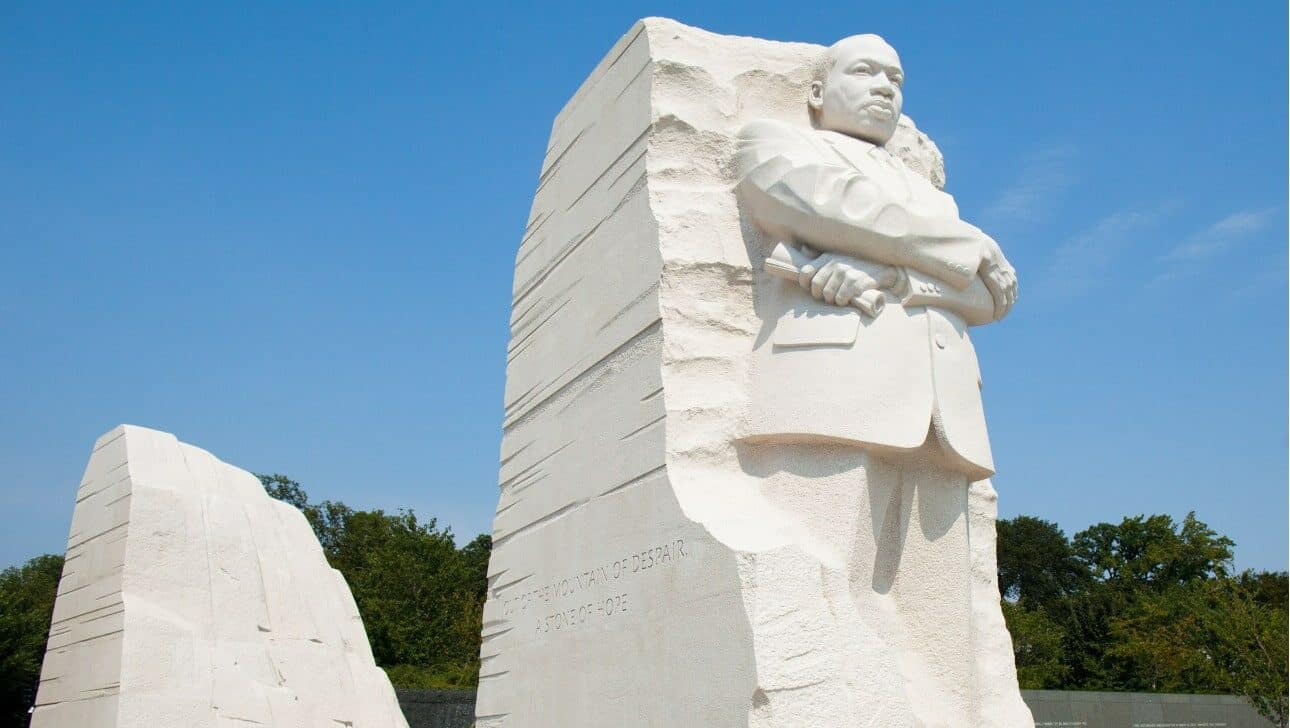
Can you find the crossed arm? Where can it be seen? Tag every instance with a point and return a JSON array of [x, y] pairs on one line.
[[795, 192]]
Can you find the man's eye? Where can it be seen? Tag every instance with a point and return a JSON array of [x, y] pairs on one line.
[[861, 70], [898, 81]]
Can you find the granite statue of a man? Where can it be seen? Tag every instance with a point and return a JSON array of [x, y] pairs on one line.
[[866, 366], [742, 474]]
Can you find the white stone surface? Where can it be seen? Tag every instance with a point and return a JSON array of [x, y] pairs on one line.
[[666, 551], [192, 599]]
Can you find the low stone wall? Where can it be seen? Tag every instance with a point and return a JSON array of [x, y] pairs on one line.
[[1052, 709], [437, 708], [1071, 709]]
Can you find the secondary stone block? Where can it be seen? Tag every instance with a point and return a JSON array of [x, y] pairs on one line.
[[191, 598]]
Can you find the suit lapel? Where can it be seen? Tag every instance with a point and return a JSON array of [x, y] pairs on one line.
[[873, 162]]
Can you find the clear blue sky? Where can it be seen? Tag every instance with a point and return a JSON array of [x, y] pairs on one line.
[[285, 232]]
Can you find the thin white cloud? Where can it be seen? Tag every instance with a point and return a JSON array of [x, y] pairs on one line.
[[1269, 277], [1220, 236], [1043, 176], [1084, 260], [1186, 257]]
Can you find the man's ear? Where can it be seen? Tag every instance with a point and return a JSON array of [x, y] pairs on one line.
[[815, 99]]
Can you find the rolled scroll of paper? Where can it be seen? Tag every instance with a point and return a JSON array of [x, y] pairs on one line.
[[786, 262]]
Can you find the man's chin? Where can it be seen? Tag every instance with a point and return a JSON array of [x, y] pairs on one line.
[[876, 134], [874, 131]]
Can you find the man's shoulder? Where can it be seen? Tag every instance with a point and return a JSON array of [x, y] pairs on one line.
[[763, 139], [774, 130]]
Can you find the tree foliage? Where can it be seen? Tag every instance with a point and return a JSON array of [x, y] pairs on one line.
[[1037, 565], [26, 605], [421, 598], [1147, 604], [1037, 644]]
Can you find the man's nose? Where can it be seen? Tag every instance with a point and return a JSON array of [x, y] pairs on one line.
[[885, 87]]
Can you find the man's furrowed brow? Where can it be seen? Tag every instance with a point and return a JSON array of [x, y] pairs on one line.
[[877, 65]]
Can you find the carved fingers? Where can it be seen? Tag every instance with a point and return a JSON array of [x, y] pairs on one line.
[[839, 281], [1002, 284]]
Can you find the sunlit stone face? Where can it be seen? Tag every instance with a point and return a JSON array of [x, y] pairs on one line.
[[861, 94]]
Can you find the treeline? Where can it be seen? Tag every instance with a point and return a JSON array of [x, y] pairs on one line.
[[1146, 605], [421, 597]]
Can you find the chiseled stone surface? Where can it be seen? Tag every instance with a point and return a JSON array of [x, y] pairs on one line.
[[658, 560], [190, 598]]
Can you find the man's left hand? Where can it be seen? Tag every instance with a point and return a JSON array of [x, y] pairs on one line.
[[1000, 278], [1002, 284]]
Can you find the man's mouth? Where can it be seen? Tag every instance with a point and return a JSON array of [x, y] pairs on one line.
[[879, 105]]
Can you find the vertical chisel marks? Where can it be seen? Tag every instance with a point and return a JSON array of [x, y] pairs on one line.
[[536, 396], [520, 313], [519, 334], [117, 435], [639, 299], [627, 86], [627, 168], [513, 455], [531, 243], [643, 427], [533, 468], [499, 588], [597, 76], [527, 482], [642, 478], [610, 167], [507, 507], [548, 171], [489, 636], [518, 346], [500, 538], [520, 396], [545, 272], [626, 47], [522, 318]]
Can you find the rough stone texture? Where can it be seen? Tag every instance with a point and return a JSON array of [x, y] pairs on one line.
[[190, 598], [650, 568]]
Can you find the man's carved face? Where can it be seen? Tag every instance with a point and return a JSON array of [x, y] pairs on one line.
[[861, 94]]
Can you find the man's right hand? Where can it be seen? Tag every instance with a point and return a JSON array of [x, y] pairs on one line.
[[837, 279]]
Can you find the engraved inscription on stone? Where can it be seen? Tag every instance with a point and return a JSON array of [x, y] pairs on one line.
[[592, 594]]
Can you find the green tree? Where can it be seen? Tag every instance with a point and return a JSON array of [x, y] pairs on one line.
[[1037, 646], [1268, 588], [285, 489], [1213, 635], [1247, 639], [420, 597], [1037, 566], [1140, 558], [1157, 634], [1153, 552], [26, 606]]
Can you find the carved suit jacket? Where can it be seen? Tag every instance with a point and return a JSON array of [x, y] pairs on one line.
[[826, 373]]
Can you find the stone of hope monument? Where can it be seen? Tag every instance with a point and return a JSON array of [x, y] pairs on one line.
[[744, 470]]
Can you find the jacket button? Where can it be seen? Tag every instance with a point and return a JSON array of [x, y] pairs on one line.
[[940, 341]]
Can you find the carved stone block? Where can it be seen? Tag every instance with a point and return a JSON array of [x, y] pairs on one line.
[[658, 558], [190, 598]]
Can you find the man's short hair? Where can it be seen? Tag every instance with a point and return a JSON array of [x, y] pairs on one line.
[[824, 64]]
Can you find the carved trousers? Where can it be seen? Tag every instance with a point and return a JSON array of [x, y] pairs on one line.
[[887, 609]]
